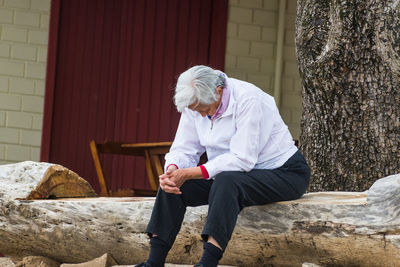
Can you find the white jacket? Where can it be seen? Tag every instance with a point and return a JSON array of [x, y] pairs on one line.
[[250, 134]]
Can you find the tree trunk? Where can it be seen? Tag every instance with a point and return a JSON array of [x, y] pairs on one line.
[[349, 60]]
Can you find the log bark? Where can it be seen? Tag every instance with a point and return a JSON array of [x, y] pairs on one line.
[[326, 228], [37, 261], [348, 54], [103, 261], [6, 262]]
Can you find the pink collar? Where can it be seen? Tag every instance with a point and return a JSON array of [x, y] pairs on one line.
[[224, 103]]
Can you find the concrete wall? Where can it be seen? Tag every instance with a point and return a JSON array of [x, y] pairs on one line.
[[251, 52], [23, 50]]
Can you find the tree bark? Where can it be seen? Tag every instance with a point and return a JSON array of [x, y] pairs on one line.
[[348, 54]]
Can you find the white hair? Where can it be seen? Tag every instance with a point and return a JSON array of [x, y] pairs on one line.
[[197, 85]]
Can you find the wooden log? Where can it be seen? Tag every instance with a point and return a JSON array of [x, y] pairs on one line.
[[326, 228], [59, 182], [103, 261], [6, 262], [37, 261]]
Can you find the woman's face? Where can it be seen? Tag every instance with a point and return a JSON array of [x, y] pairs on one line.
[[204, 110], [210, 109]]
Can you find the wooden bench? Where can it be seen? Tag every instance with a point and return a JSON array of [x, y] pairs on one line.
[[153, 154]]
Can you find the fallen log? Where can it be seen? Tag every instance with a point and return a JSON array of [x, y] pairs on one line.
[[326, 228], [37, 261]]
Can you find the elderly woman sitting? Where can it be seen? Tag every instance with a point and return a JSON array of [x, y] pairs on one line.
[[252, 160]]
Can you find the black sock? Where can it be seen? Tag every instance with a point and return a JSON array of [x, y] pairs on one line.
[[211, 255], [158, 252]]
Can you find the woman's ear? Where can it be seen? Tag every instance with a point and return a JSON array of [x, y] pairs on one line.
[[219, 90]]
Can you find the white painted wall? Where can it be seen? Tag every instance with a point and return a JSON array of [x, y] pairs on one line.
[[251, 52], [23, 51]]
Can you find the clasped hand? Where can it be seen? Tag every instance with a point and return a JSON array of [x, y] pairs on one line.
[[172, 180]]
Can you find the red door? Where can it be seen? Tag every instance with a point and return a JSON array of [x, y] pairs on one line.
[[111, 71]]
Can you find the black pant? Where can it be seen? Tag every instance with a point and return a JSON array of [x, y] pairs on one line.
[[226, 196]]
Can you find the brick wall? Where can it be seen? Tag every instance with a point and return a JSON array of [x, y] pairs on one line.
[[251, 52], [23, 51]]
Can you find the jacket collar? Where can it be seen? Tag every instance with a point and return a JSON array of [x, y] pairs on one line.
[[232, 100]]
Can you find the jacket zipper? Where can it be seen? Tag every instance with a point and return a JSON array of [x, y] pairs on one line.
[[209, 132]]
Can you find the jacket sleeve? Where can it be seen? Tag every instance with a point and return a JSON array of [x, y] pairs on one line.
[[186, 150], [251, 122]]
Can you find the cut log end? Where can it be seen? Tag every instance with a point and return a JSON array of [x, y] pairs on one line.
[[59, 182]]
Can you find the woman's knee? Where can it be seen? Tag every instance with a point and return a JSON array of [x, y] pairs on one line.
[[225, 179], [195, 192], [228, 187], [226, 183]]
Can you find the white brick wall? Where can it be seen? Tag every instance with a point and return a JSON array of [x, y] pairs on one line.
[[24, 28], [2, 118], [2, 150], [251, 52], [291, 100], [248, 42]]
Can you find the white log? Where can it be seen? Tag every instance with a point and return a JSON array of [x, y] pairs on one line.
[[329, 228]]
